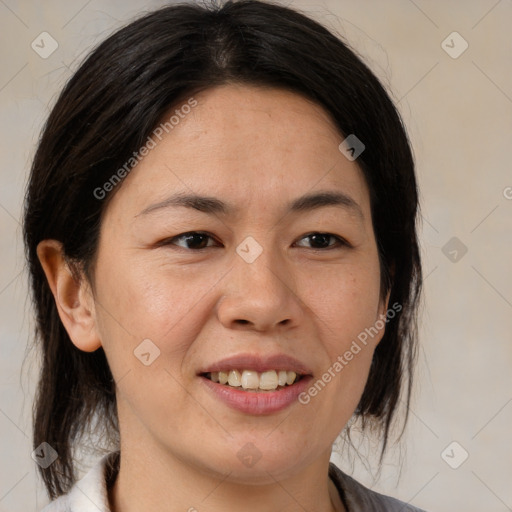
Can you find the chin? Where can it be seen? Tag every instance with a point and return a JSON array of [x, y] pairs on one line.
[[251, 465]]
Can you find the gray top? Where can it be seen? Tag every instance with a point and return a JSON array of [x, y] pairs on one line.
[[90, 493], [358, 498]]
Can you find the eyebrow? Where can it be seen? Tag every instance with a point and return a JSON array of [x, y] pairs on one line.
[[213, 205]]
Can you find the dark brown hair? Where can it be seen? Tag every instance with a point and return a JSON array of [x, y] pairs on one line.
[[111, 105]]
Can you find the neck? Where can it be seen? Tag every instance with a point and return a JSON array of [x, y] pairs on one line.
[[151, 480]]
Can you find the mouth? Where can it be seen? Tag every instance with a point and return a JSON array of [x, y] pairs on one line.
[[253, 381], [256, 384]]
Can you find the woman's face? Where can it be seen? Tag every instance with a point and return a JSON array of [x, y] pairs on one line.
[[256, 289]]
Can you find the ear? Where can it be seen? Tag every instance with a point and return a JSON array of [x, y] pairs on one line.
[[383, 309], [384, 303], [72, 294]]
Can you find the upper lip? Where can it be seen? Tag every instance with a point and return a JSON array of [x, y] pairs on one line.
[[259, 363]]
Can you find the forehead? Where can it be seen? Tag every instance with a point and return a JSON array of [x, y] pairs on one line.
[[252, 146]]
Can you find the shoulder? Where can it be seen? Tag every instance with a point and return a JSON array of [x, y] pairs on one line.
[[90, 493], [359, 498]]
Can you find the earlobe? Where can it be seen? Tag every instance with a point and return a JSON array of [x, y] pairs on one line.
[[385, 303], [384, 306], [381, 320], [72, 296]]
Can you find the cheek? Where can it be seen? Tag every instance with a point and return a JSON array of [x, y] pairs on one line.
[[346, 302], [141, 300], [147, 321]]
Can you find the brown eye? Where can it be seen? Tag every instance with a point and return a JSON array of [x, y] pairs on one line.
[[322, 241], [194, 240]]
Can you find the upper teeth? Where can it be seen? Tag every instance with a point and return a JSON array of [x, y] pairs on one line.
[[250, 379]]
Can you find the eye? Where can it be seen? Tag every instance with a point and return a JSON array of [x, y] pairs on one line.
[[195, 240], [321, 241]]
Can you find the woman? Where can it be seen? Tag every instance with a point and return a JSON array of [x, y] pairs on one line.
[[220, 229]]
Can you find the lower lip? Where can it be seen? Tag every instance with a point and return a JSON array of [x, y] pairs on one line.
[[265, 402]]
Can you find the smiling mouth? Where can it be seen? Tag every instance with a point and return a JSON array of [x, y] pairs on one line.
[[253, 381]]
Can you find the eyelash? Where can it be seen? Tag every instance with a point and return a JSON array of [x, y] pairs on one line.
[[340, 242]]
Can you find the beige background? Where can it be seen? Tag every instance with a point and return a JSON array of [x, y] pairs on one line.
[[459, 115]]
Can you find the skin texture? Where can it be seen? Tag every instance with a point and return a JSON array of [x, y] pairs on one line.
[[256, 149]]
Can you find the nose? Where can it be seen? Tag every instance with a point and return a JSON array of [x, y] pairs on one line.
[[259, 296]]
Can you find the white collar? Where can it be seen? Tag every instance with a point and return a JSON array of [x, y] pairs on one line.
[[90, 493]]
